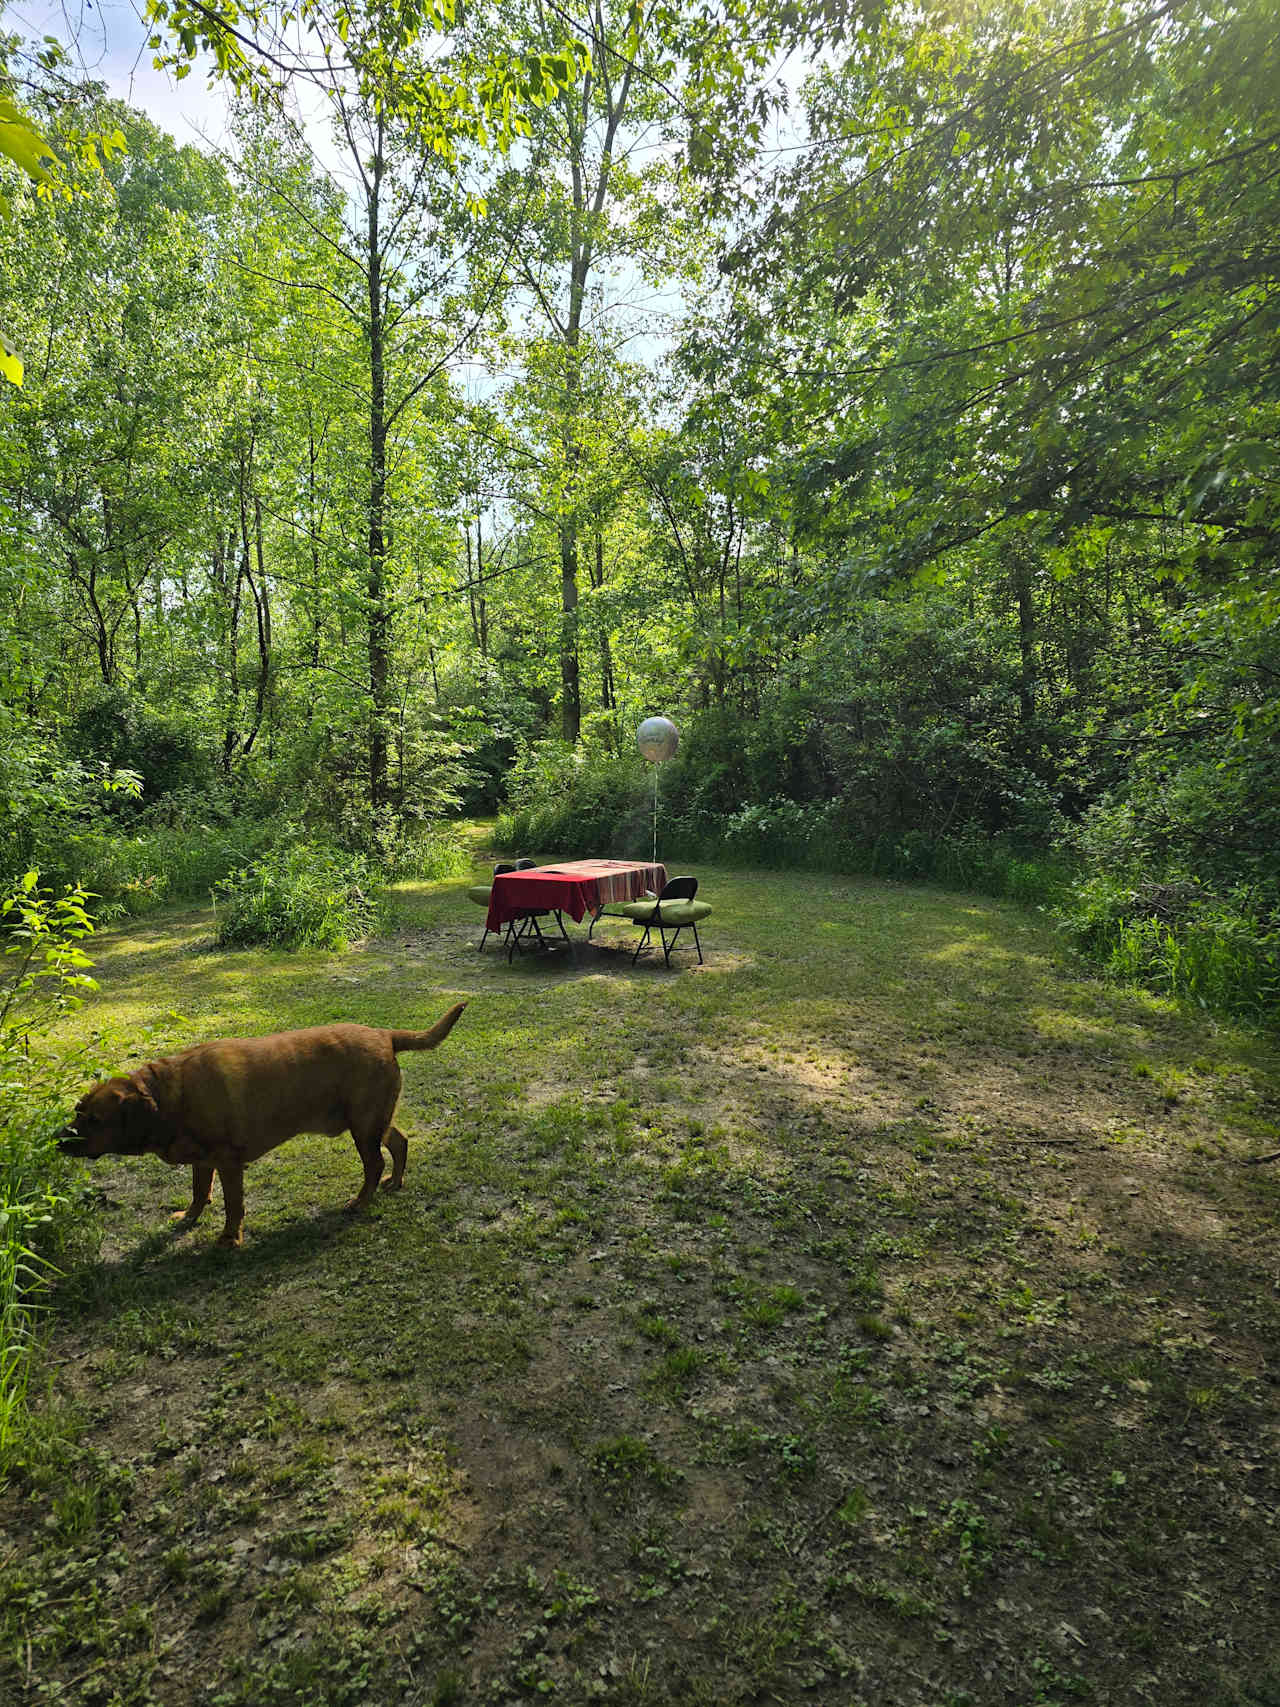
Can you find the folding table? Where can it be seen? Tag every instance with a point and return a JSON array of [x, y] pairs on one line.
[[576, 887]]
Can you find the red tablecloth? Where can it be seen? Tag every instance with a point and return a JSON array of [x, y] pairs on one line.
[[576, 887]]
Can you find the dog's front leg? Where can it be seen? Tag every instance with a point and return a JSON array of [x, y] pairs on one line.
[[232, 1176], [201, 1192]]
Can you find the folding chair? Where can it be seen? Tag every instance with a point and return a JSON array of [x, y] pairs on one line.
[[674, 910], [479, 893]]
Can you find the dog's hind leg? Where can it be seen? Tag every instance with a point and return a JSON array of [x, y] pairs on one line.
[[201, 1192], [371, 1157], [368, 1136], [393, 1139]]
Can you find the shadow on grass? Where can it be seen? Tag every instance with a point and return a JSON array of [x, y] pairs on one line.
[[599, 958], [171, 1264]]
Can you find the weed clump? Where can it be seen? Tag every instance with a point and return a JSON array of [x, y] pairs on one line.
[[299, 894]]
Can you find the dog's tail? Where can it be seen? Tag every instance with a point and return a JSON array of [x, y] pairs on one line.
[[427, 1039]]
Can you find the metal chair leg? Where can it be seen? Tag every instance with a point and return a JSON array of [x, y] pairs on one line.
[[525, 926], [667, 947]]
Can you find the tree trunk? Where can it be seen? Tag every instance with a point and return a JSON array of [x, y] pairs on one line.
[[313, 454], [475, 591], [262, 609], [570, 676], [608, 699], [101, 634], [379, 642], [1020, 576], [570, 671]]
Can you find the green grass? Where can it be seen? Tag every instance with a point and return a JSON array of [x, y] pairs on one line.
[[877, 1313]]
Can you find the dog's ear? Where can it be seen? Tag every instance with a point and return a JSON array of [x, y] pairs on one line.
[[143, 1127]]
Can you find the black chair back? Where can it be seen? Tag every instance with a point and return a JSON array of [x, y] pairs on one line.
[[679, 889], [525, 865], [500, 870]]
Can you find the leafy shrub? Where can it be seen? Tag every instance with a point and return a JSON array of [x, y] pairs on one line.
[[560, 800], [402, 845], [46, 971], [726, 763], [46, 800], [60, 816], [783, 832], [322, 770], [426, 852], [1176, 936], [905, 714], [1199, 789], [996, 865], [166, 750], [132, 873], [816, 837], [496, 720], [544, 773], [297, 894]]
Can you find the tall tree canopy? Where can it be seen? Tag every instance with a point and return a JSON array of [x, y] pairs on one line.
[[939, 499]]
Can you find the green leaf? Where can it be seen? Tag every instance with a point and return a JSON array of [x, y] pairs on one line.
[[24, 144]]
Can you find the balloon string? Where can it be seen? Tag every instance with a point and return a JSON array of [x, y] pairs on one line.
[[655, 813]]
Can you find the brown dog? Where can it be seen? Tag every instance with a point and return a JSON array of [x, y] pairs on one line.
[[222, 1105]]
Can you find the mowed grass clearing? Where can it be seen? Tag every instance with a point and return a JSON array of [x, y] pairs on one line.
[[880, 1313]]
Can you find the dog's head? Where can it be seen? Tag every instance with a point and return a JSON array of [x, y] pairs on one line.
[[118, 1118]]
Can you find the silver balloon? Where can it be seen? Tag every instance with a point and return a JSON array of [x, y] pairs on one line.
[[657, 739]]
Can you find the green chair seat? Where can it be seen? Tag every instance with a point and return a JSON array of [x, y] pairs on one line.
[[674, 913], [669, 913], [479, 893]]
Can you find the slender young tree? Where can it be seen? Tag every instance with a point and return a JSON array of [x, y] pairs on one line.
[[605, 204]]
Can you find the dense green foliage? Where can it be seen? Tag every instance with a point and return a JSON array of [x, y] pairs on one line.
[[344, 494], [43, 974], [302, 893]]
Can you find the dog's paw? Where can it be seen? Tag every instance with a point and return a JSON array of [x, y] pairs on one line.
[[390, 1184], [231, 1241]]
